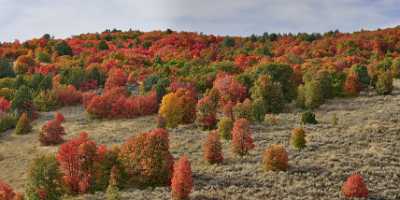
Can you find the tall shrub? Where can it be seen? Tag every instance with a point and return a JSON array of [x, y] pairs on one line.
[[242, 141], [182, 181], [212, 148]]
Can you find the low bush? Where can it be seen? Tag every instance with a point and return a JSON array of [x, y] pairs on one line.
[[212, 148], [182, 181], [44, 179], [178, 107], [146, 159], [384, 83], [352, 86], [52, 133], [116, 78], [23, 125], [225, 126], [275, 158], [354, 187], [308, 117], [46, 101], [242, 141], [68, 96], [7, 121], [298, 138], [6, 192]]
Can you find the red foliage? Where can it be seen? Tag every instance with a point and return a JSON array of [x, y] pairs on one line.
[[68, 95], [87, 97], [212, 148], [6, 192], [355, 187], [116, 78], [182, 181], [229, 88], [228, 109], [206, 112], [77, 159], [88, 85], [176, 85], [59, 117], [4, 104], [242, 142], [351, 85], [51, 133]]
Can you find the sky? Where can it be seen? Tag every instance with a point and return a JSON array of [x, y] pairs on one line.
[[26, 19]]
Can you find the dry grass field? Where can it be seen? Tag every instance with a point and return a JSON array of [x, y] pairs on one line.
[[365, 140]]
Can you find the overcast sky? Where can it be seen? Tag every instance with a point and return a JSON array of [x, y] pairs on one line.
[[25, 19]]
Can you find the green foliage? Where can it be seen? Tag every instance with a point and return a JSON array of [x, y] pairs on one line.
[[281, 73], [308, 117], [73, 76], [225, 126], [310, 95], [44, 179], [243, 110], [22, 96], [102, 45], [396, 68], [384, 83], [96, 74], [225, 66], [46, 101], [362, 73], [7, 82], [228, 42], [7, 93], [23, 125], [324, 79], [43, 57], [7, 122], [62, 48], [298, 138], [6, 68], [112, 193]]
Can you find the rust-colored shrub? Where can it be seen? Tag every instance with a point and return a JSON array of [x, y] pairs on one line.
[[275, 158], [147, 160], [229, 88], [354, 187], [77, 159], [68, 95], [116, 78], [6, 192], [182, 181], [242, 141], [59, 117], [5, 105], [24, 64], [212, 148], [298, 138], [352, 86], [206, 112], [52, 133], [228, 109]]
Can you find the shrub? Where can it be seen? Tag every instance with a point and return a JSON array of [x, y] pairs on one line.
[[22, 98], [384, 83], [7, 122], [212, 148], [6, 68], [351, 85], [68, 96], [362, 74], [44, 179], [227, 109], [225, 126], [298, 138], [23, 64], [206, 112], [301, 98], [243, 110], [229, 89], [267, 96], [242, 141], [5, 105], [147, 160], [6, 192], [308, 117], [182, 181], [395, 69], [52, 133], [354, 187], [275, 158], [72, 76], [313, 94], [59, 117], [46, 101], [116, 78], [178, 107], [62, 48], [102, 45], [23, 125], [77, 159], [7, 93]]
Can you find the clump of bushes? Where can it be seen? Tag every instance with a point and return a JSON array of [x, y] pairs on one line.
[[212, 148], [147, 160], [243, 110], [68, 96], [225, 126], [229, 88], [275, 158], [206, 112], [310, 95], [52, 133], [116, 78], [308, 117], [44, 179], [182, 181], [23, 125], [22, 102], [46, 101], [178, 107], [384, 83], [242, 141], [298, 138], [354, 187]]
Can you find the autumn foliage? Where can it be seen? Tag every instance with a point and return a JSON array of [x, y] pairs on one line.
[[52, 133], [212, 148], [298, 138], [275, 158], [242, 141], [182, 181], [6, 192], [68, 95], [116, 78], [206, 112], [354, 187], [229, 88], [178, 108], [147, 160], [5, 105]]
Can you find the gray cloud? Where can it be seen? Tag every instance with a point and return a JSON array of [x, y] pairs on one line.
[[24, 19]]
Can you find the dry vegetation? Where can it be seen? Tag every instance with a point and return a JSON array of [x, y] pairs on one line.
[[365, 140]]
